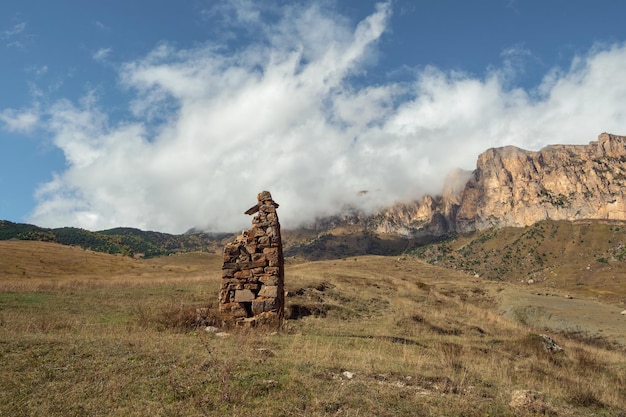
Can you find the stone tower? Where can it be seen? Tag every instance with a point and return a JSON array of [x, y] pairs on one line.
[[253, 270]]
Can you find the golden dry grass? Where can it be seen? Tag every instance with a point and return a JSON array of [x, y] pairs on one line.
[[585, 258], [90, 334], [41, 266]]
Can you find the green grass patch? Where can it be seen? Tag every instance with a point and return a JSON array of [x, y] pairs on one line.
[[23, 300]]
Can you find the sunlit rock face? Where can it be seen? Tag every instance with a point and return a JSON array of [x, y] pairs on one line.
[[514, 187]]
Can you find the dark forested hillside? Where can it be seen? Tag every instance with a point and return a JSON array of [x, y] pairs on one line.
[[124, 241]]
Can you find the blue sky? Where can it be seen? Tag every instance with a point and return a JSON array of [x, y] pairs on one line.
[[166, 114]]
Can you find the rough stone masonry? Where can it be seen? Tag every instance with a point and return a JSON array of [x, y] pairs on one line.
[[253, 270]]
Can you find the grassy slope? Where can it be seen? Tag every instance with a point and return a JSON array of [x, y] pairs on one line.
[[83, 333], [585, 258]]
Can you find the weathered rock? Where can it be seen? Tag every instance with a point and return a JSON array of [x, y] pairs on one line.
[[270, 291], [228, 273], [232, 309], [272, 270], [549, 344], [253, 270], [263, 305], [243, 275], [252, 286], [347, 374], [522, 398], [250, 248], [531, 401], [268, 279], [243, 296], [514, 187]]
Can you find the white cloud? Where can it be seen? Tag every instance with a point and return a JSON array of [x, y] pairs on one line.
[[16, 36], [101, 26], [282, 115], [101, 54], [41, 70], [15, 30], [19, 121]]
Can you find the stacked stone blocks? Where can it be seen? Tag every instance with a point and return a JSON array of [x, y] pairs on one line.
[[253, 269]]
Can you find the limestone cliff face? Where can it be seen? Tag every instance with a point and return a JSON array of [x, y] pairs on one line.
[[514, 187]]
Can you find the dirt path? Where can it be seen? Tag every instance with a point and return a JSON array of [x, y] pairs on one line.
[[560, 313]]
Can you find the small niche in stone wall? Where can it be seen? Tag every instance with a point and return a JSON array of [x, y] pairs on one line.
[[253, 271]]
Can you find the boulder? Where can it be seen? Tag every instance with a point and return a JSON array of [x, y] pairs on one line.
[[550, 344], [244, 296]]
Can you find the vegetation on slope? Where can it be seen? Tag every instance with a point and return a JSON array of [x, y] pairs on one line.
[[345, 241], [107, 335], [589, 257], [124, 241]]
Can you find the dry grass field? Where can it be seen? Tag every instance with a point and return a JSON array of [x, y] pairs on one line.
[[88, 334]]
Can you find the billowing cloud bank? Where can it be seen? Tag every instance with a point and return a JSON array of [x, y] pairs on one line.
[[208, 129]]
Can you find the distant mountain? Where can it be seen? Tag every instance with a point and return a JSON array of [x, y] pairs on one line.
[[511, 187], [124, 241], [335, 242]]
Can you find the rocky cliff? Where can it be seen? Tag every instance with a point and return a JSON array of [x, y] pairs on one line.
[[514, 187]]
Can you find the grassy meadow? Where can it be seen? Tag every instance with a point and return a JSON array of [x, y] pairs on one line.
[[90, 334]]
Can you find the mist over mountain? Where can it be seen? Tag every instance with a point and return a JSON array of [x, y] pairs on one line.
[[512, 187]]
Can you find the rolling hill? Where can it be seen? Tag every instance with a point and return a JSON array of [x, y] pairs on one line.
[[121, 240]]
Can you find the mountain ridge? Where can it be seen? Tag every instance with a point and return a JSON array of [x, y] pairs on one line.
[[512, 187], [121, 240]]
